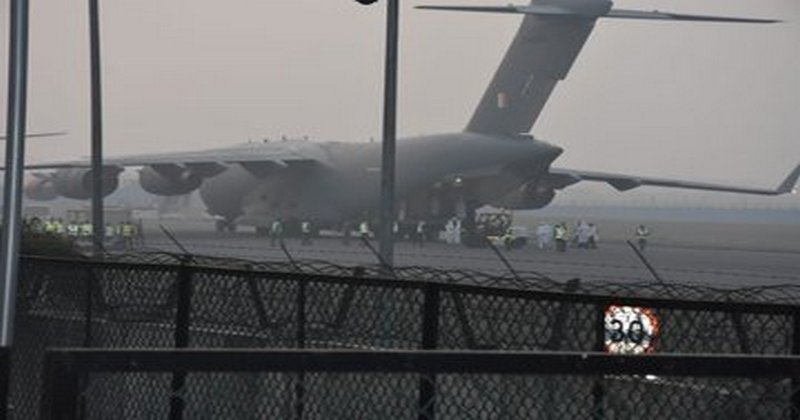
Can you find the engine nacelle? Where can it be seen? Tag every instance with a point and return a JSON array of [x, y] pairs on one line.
[[39, 187], [530, 196], [169, 182], [76, 183]]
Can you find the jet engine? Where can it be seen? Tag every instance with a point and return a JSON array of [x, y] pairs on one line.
[[530, 196], [76, 183], [39, 187], [170, 180]]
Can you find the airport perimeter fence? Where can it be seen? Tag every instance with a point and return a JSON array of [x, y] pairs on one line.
[[419, 384], [188, 302]]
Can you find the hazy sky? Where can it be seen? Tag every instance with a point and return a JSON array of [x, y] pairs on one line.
[[689, 100]]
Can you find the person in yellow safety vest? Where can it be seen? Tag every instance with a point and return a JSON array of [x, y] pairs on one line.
[[59, 228], [49, 226], [127, 233], [560, 233]]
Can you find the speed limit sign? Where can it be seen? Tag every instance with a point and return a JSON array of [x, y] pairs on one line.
[[630, 330]]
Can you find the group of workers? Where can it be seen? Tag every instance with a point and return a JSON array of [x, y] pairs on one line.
[[277, 232], [549, 236], [585, 235], [416, 232], [127, 232]]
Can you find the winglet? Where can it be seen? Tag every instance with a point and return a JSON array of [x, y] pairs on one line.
[[788, 184]]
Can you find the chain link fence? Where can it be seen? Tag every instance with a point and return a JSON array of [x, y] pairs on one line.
[[163, 300], [391, 384]]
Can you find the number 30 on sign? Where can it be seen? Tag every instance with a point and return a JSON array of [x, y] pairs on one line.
[[630, 330]]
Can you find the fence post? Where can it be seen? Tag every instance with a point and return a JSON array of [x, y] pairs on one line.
[[5, 380], [88, 309], [61, 389], [181, 336], [795, 395], [598, 390], [430, 341], [300, 384]]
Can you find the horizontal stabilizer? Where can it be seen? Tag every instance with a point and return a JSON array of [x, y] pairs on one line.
[[553, 10], [656, 15], [562, 178], [48, 134]]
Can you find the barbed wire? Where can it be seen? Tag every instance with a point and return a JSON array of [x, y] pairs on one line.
[[527, 280]]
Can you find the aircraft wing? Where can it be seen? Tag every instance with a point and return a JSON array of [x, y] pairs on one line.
[[279, 154], [561, 178]]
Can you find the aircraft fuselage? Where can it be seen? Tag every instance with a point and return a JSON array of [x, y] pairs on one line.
[[348, 184]]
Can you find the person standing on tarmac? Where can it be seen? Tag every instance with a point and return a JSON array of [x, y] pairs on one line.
[[305, 232], [276, 232], [642, 232], [594, 236], [560, 232], [420, 234], [363, 230]]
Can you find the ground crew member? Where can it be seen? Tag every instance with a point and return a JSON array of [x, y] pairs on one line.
[[305, 231], [420, 233], [59, 228], [363, 230], [642, 232], [49, 226], [110, 232], [127, 234], [86, 229], [560, 233], [594, 236], [73, 230], [276, 232]]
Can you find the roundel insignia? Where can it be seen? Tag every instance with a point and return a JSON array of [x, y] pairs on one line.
[[630, 330]]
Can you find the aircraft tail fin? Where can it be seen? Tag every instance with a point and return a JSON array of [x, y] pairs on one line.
[[544, 49]]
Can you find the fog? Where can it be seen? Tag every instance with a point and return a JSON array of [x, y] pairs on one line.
[[702, 101]]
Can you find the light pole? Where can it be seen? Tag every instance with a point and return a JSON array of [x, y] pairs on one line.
[[98, 226], [15, 166], [387, 214]]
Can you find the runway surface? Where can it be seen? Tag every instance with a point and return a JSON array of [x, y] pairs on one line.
[[739, 256]]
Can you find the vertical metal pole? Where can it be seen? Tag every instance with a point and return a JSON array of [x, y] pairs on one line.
[[598, 389], [98, 226], [389, 135], [430, 341], [15, 165], [794, 398], [5, 385], [181, 336]]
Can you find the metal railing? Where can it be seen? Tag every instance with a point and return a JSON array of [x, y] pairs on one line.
[[589, 384]]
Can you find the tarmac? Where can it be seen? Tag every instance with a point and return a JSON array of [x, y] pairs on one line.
[[712, 254]]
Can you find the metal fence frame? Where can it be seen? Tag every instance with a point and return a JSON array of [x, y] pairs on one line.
[[184, 278], [66, 368]]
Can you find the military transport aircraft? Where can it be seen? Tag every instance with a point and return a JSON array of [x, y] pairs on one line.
[[492, 161]]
